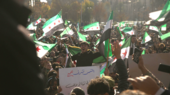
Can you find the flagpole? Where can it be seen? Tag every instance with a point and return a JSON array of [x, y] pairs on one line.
[[69, 37]]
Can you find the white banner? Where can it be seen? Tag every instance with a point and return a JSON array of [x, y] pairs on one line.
[[77, 77], [152, 61]]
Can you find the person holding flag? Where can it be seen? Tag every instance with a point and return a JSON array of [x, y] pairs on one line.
[[86, 57]]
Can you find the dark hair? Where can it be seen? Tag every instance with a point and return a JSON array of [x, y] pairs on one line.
[[72, 94], [133, 36], [57, 68], [55, 64], [133, 92], [51, 73], [98, 86], [78, 91]]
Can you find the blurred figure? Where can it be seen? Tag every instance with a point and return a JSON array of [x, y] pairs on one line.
[[18, 52]]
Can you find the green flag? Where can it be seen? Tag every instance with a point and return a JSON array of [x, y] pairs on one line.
[[32, 27], [167, 35], [165, 12], [92, 27], [143, 52], [146, 38], [67, 31], [122, 37], [129, 30], [163, 27]]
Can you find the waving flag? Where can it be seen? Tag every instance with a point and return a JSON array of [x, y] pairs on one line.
[[67, 31], [33, 37], [38, 21], [146, 38], [43, 48], [163, 27], [53, 24], [165, 36], [154, 28], [129, 30], [103, 48], [165, 12], [122, 42], [92, 27], [122, 37]]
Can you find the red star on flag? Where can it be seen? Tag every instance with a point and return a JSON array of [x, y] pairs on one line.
[[49, 27], [125, 53], [145, 40], [36, 22], [91, 28], [132, 33], [54, 23], [97, 27], [40, 20], [120, 45], [114, 58], [59, 21], [38, 49]]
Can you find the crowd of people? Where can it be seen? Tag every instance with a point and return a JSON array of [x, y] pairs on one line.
[[25, 74]]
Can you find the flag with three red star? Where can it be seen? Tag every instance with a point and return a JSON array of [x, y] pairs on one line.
[[53, 24], [37, 21], [92, 27], [129, 30], [43, 48]]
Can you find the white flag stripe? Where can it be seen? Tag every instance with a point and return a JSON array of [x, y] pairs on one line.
[[93, 28]]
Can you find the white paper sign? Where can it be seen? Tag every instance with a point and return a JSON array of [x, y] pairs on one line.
[[77, 77]]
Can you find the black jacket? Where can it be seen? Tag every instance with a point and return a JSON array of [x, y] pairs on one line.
[[19, 70], [85, 59]]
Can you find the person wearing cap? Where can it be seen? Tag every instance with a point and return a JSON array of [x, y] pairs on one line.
[[85, 57]]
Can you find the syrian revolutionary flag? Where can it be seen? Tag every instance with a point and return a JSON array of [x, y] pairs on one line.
[[122, 37], [66, 23], [129, 30], [163, 27], [67, 31], [122, 24], [53, 24], [38, 21], [154, 28], [81, 37], [103, 48], [32, 27], [43, 48], [125, 50], [146, 38], [68, 58], [75, 50], [92, 27], [165, 12], [143, 52], [122, 42], [165, 36]]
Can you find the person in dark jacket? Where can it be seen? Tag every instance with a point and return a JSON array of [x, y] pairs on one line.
[[20, 73], [85, 58]]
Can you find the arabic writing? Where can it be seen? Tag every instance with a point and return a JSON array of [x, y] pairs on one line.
[[79, 73], [77, 84]]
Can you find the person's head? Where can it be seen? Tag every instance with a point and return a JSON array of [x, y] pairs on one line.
[[133, 92], [52, 54], [111, 84], [133, 39], [20, 2], [55, 64], [55, 49], [57, 69], [47, 65], [98, 86], [52, 83], [52, 73], [161, 45], [78, 91], [84, 46], [113, 40]]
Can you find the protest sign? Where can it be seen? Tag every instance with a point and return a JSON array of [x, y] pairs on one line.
[[152, 61], [77, 77]]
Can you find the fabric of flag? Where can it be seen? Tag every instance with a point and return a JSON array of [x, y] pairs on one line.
[[122, 42], [81, 36], [143, 52], [92, 27], [125, 50], [165, 12], [154, 28], [33, 37], [103, 48], [122, 37], [165, 36], [163, 27], [146, 38], [75, 50], [32, 27], [154, 15], [97, 42], [43, 48], [53, 24], [122, 24], [129, 30], [66, 23], [38, 21], [68, 62], [67, 31]]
